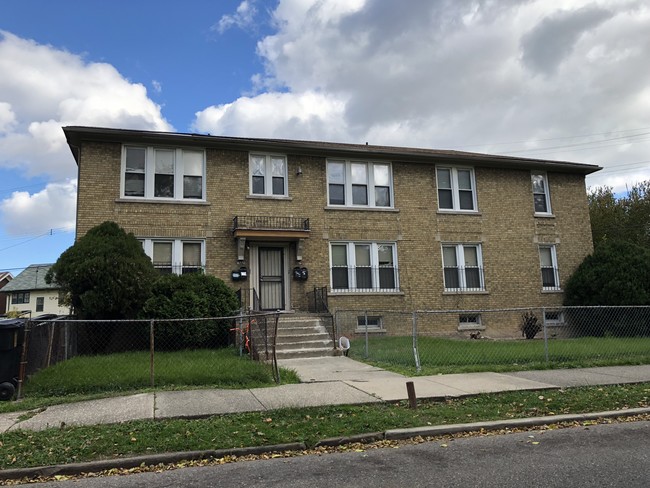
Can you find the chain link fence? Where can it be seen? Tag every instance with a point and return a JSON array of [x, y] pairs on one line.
[[451, 341], [74, 356]]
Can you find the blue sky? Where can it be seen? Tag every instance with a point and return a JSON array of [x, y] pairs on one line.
[[566, 80]]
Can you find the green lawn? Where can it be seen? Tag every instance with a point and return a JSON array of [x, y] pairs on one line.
[[75, 444], [439, 355], [85, 377]]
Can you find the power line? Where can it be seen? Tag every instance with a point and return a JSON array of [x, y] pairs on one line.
[[528, 141], [545, 149]]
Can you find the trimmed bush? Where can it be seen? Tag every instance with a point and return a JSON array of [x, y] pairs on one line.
[[190, 296], [617, 273], [105, 274]]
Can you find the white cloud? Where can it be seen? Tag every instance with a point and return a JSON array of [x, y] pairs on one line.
[[43, 88], [7, 117], [305, 116], [157, 86], [243, 18], [456, 74], [32, 214], [46, 88]]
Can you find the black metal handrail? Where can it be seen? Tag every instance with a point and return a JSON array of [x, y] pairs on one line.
[[317, 300], [269, 222]]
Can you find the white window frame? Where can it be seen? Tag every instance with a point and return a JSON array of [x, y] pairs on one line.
[[150, 174], [554, 266], [177, 251], [554, 322], [268, 175], [470, 321], [370, 184], [455, 190], [460, 267], [374, 267], [546, 193], [376, 325]]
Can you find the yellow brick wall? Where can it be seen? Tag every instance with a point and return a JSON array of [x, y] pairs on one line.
[[505, 226]]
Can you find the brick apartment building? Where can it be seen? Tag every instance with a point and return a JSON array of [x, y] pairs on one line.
[[383, 228]]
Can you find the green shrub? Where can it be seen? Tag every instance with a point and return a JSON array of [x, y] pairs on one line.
[[190, 296], [105, 274], [617, 273]]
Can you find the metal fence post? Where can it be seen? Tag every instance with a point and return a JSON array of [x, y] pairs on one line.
[[416, 355], [151, 353], [545, 335], [22, 369], [365, 318]]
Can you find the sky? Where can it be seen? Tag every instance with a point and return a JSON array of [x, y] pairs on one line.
[[564, 80]]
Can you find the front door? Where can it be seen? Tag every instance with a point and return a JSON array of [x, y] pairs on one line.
[[271, 268]]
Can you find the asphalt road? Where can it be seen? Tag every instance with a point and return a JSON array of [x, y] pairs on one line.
[[615, 455]]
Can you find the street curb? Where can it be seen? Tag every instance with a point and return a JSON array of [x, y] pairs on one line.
[[397, 434], [393, 434], [360, 438], [148, 460]]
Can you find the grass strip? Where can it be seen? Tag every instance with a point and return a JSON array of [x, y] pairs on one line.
[[440, 355], [77, 444], [90, 377]]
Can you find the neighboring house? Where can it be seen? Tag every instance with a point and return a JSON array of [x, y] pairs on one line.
[[383, 228], [5, 277], [29, 292]]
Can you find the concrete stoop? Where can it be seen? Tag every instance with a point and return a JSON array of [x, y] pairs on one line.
[[303, 336]]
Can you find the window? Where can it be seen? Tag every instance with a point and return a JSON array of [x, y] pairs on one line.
[[456, 189], [359, 184], [373, 322], [554, 318], [548, 263], [364, 266], [163, 173], [175, 255], [469, 321], [40, 304], [268, 175], [462, 267], [20, 297], [541, 198]]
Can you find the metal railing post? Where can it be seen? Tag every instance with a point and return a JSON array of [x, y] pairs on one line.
[[545, 334], [416, 355], [365, 318], [151, 353]]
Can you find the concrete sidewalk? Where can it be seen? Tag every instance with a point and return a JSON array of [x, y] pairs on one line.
[[325, 381]]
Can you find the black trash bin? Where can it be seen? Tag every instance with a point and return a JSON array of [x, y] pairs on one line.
[[12, 335]]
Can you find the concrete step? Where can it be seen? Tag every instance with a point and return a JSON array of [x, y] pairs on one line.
[[299, 330], [290, 339], [293, 346], [303, 335], [305, 353]]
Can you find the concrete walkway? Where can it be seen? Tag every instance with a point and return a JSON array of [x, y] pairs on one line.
[[325, 381]]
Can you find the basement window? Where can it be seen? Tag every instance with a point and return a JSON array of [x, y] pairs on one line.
[[470, 321]]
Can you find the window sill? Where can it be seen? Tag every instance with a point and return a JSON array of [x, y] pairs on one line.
[[544, 215], [362, 330], [161, 200], [459, 212], [552, 290], [465, 292], [344, 293], [471, 327], [361, 208], [268, 197]]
